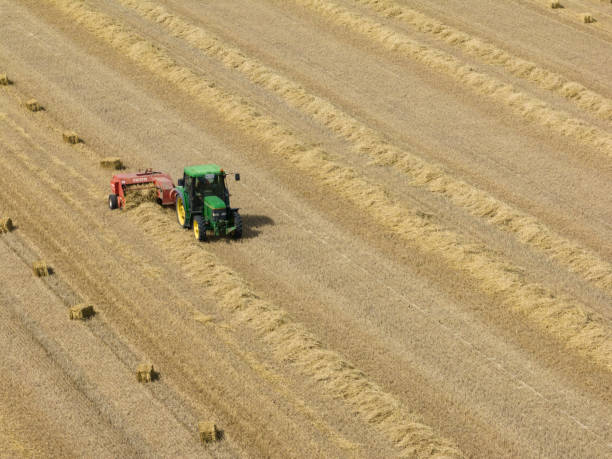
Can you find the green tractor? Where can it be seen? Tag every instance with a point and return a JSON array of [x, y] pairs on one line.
[[202, 203]]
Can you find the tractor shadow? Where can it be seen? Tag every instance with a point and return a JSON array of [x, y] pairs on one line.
[[251, 225], [251, 228]]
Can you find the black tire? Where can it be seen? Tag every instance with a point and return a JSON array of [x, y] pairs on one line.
[[237, 234], [113, 202], [199, 228]]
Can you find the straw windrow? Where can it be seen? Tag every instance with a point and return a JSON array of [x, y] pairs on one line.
[[292, 342], [583, 97], [521, 104], [567, 320], [524, 227]]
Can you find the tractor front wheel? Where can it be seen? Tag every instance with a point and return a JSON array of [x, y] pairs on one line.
[[237, 234], [113, 203], [180, 212], [199, 228]]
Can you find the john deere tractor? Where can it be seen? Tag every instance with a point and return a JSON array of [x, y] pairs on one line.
[[203, 203]]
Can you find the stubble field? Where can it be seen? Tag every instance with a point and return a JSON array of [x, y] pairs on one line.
[[426, 267]]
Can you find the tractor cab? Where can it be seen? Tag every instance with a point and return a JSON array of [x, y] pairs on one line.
[[203, 203]]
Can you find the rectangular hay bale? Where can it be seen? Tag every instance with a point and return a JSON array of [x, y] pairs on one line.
[[6, 225], [40, 268], [71, 137], [4, 81], [145, 372], [111, 163], [208, 431], [81, 311], [33, 105], [587, 18], [555, 4]]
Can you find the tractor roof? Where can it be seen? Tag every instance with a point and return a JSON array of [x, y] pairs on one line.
[[200, 171]]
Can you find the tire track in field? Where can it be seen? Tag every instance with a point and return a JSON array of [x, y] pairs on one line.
[[488, 53], [565, 319], [366, 141], [519, 103]]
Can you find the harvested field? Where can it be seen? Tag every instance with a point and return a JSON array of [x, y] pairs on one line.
[[426, 261]]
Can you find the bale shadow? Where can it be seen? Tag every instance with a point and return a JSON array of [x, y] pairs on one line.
[[90, 316]]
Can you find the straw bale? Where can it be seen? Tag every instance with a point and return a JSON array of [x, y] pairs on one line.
[[71, 137], [208, 431], [33, 105], [4, 81], [81, 312], [6, 225], [145, 372], [555, 4], [587, 18], [40, 268], [111, 162]]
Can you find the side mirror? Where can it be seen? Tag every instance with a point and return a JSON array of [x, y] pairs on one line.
[[181, 182], [237, 177]]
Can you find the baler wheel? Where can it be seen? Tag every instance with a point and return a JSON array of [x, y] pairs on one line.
[[113, 202], [180, 212], [199, 228]]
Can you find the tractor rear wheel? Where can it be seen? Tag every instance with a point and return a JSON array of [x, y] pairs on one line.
[[237, 234], [113, 202], [199, 228], [180, 212]]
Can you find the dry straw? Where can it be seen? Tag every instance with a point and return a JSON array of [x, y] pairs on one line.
[[524, 227], [520, 103], [565, 319], [40, 269], [6, 225], [4, 81], [587, 18], [208, 431], [139, 194], [145, 372], [71, 137], [489, 53], [81, 312], [33, 105], [111, 163], [291, 342]]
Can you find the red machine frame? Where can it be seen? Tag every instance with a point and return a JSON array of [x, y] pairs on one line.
[[166, 194]]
